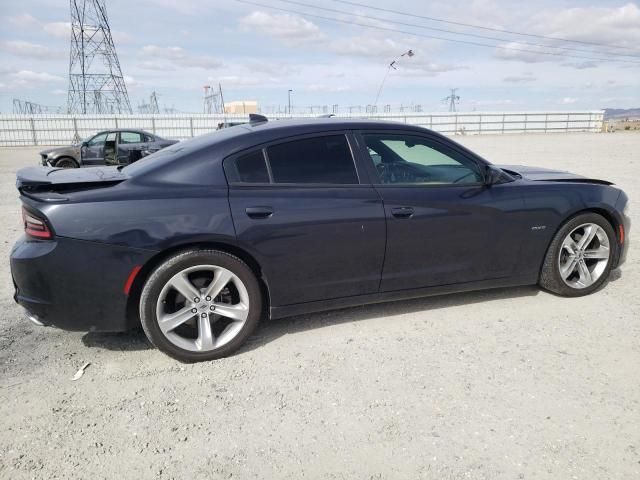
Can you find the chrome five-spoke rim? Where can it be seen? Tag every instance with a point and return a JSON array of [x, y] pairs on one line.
[[202, 308], [584, 255]]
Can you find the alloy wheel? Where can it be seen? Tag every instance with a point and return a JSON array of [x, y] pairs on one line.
[[584, 255], [202, 308]]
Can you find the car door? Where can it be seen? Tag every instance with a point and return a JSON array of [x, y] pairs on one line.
[[93, 150], [299, 207], [130, 141], [444, 226]]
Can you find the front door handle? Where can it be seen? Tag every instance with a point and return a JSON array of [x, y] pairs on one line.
[[259, 212], [402, 212]]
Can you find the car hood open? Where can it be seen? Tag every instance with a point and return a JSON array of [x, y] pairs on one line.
[[548, 175]]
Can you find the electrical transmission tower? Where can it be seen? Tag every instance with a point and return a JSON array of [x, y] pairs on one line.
[[151, 107], [25, 107], [213, 101], [452, 100], [96, 84]]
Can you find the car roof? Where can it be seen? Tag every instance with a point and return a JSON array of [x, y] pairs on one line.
[[243, 136], [138, 130], [295, 126]]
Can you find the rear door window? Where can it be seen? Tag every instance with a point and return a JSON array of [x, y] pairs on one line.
[[324, 159], [130, 137]]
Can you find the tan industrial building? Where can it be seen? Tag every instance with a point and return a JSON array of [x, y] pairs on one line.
[[241, 106]]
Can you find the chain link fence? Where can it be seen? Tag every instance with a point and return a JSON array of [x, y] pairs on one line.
[[59, 129]]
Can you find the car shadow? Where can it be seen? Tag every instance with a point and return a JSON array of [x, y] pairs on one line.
[[272, 330], [135, 340], [129, 341]]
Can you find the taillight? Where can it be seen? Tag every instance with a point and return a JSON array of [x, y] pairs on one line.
[[34, 226]]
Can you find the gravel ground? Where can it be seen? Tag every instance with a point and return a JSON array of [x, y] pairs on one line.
[[502, 384]]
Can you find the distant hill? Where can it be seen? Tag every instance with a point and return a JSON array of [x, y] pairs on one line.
[[621, 113]]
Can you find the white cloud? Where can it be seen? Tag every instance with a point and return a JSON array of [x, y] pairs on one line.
[[370, 47], [29, 78], [31, 50], [130, 82], [581, 65], [524, 78], [322, 88], [619, 26], [523, 53], [178, 56], [24, 20], [568, 101], [58, 91], [58, 29], [283, 26]]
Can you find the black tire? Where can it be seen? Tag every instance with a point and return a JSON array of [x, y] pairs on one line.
[[164, 272], [550, 278], [66, 162]]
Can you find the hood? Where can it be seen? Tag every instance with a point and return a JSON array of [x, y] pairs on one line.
[[70, 150], [548, 175]]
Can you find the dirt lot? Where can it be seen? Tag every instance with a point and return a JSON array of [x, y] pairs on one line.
[[502, 384]]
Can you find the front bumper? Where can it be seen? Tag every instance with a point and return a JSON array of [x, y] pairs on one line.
[[73, 284], [624, 223]]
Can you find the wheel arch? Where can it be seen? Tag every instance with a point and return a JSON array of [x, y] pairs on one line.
[[603, 212], [133, 316]]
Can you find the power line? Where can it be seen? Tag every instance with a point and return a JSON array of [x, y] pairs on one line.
[[461, 24], [465, 34], [405, 32]]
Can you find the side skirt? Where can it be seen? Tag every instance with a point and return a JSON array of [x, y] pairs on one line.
[[344, 302]]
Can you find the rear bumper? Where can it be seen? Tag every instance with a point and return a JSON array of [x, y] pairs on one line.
[[73, 284]]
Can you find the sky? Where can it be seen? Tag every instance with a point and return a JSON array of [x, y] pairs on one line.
[[259, 52]]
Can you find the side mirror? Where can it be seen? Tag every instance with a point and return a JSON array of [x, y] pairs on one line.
[[492, 175], [84, 144]]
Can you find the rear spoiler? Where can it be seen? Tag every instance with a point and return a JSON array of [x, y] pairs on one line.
[[47, 183]]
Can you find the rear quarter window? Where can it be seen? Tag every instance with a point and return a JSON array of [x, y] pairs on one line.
[[252, 168]]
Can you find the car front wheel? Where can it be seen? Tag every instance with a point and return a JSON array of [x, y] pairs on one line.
[[580, 256], [66, 162], [200, 305]]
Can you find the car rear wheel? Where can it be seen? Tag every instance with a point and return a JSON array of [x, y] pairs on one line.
[[200, 305], [580, 256], [66, 162]]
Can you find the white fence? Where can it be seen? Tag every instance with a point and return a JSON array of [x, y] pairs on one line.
[[22, 130]]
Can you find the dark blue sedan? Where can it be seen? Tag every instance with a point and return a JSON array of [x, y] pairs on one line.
[[202, 240]]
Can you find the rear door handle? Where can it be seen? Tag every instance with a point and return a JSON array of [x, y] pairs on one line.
[[259, 212], [402, 212]]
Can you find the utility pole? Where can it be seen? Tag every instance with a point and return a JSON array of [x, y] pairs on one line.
[[452, 99], [96, 83], [289, 95], [392, 65]]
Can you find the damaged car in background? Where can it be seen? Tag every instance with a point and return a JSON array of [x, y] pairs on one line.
[[108, 147]]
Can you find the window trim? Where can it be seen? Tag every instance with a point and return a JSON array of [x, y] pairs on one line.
[[429, 140], [353, 149]]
